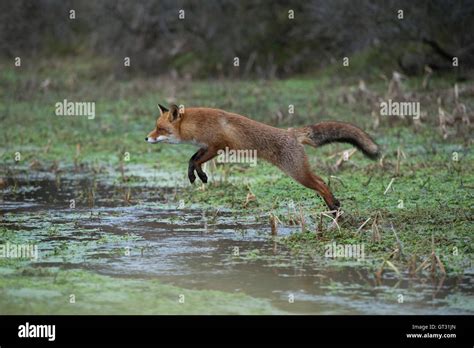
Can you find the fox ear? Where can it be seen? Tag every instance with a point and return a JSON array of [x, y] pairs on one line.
[[162, 109], [174, 114]]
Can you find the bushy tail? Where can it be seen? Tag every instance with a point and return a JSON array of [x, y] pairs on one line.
[[329, 132]]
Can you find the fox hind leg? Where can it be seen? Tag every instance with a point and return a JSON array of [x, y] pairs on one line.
[[314, 182], [317, 184], [302, 173]]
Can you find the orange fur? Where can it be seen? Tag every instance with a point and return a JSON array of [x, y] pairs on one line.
[[213, 130]]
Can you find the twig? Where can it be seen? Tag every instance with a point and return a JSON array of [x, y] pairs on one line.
[[389, 186], [440, 264], [398, 239], [338, 213], [302, 219], [274, 224], [361, 226]]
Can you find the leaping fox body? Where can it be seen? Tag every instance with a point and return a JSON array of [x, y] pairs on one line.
[[213, 130]]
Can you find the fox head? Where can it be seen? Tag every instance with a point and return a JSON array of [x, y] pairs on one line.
[[167, 126]]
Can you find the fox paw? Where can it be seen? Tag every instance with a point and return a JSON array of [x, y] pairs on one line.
[[203, 177], [335, 207], [192, 177]]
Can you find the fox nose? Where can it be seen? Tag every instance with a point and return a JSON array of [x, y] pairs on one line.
[[146, 139]]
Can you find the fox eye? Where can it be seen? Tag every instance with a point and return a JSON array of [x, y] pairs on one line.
[[160, 129]]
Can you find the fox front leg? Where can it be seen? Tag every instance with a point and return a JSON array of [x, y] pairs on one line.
[[191, 175], [201, 174], [195, 166]]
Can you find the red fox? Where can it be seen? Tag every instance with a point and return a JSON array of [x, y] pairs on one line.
[[213, 130]]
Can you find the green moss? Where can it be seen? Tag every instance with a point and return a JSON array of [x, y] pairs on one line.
[[48, 291]]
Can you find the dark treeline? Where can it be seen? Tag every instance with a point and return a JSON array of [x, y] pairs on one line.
[[260, 33]]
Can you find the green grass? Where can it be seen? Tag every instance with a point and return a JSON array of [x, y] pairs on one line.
[[437, 192], [52, 291], [27, 288]]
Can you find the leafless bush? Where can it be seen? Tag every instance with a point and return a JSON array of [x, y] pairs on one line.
[[260, 33]]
